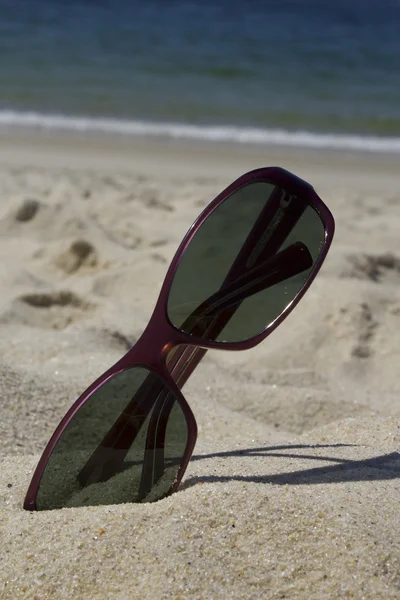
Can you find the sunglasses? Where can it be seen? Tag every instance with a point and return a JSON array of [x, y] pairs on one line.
[[240, 270]]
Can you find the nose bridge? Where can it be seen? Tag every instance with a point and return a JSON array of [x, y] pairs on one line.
[[155, 343]]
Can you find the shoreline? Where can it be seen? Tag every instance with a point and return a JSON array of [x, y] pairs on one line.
[[136, 154]]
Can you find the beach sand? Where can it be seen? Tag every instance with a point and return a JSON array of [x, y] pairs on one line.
[[293, 490]]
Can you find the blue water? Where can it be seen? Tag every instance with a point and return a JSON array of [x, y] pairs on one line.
[[302, 72]]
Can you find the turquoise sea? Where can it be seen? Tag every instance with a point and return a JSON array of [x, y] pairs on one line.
[[300, 72]]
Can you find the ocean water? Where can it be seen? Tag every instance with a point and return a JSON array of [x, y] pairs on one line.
[[299, 72]]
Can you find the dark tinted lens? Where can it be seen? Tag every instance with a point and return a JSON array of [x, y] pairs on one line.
[[125, 444], [246, 264]]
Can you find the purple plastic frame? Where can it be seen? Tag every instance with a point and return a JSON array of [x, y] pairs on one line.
[[160, 336]]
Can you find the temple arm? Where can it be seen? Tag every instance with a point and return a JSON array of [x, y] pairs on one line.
[[281, 266]]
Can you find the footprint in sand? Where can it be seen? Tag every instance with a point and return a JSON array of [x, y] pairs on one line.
[[81, 254], [355, 326], [44, 221], [377, 268], [46, 310], [366, 325], [28, 210], [116, 339], [155, 203]]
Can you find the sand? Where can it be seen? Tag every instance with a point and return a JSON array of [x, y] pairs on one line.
[[293, 489]]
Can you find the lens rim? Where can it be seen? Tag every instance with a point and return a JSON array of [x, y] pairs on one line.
[[275, 176], [30, 502]]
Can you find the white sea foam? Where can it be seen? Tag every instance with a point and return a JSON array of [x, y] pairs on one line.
[[246, 135]]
